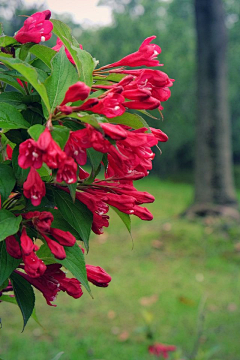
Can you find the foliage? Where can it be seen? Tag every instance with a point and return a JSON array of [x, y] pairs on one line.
[[60, 113]]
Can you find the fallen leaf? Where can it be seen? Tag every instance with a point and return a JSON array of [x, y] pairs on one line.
[[148, 300], [237, 246], [157, 244], [167, 227], [111, 314], [124, 336], [232, 307], [186, 301]]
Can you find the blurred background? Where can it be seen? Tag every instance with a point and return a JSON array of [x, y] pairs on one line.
[[177, 281]]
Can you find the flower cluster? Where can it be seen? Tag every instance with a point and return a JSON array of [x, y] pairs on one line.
[[50, 199]]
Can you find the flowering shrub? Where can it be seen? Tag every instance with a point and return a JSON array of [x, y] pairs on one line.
[[59, 112]]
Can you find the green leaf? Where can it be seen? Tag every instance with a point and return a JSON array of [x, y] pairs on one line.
[[10, 118], [60, 223], [43, 53], [73, 188], [35, 131], [88, 119], [9, 224], [32, 75], [7, 181], [60, 134], [9, 299], [24, 51], [83, 60], [7, 40], [133, 120], [13, 98], [16, 136], [125, 219], [95, 158], [45, 254], [87, 66], [7, 263], [63, 75], [24, 295], [8, 79], [33, 115], [20, 174], [76, 214], [45, 173], [75, 263]]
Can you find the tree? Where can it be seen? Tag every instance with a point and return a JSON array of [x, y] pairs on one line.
[[214, 188]]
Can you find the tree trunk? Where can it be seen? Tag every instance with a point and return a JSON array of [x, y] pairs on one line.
[[213, 173]]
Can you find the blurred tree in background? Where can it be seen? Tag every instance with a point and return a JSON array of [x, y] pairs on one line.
[[213, 175]]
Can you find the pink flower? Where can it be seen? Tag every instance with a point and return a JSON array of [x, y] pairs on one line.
[[67, 171], [149, 103], [41, 220], [76, 146], [52, 281], [36, 28], [13, 247], [161, 350], [146, 55], [44, 140], [58, 46], [115, 132], [26, 243], [29, 155], [33, 266], [64, 238], [53, 156], [97, 276], [56, 249], [110, 105], [9, 152], [34, 187], [78, 91]]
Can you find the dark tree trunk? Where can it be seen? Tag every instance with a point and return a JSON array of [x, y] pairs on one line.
[[213, 174]]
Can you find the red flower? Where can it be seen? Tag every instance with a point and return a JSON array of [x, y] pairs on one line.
[[43, 221], [13, 247], [56, 249], [76, 146], [97, 276], [110, 105], [52, 153], [67, 171], [149, 103], [36, 28], [78, 91], [52, 281], [146, 55], [34, 187], [33, 266], [161, 350], [29, 155], [26, 243], [9, 152], [64, 238], [58, 46], [115, 132]]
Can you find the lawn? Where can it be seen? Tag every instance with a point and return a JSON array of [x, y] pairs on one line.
[[175, 279]]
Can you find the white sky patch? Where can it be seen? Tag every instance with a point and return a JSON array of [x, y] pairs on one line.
[[83, 11]]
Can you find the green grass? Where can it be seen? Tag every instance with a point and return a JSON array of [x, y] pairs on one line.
[[158, 282]]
